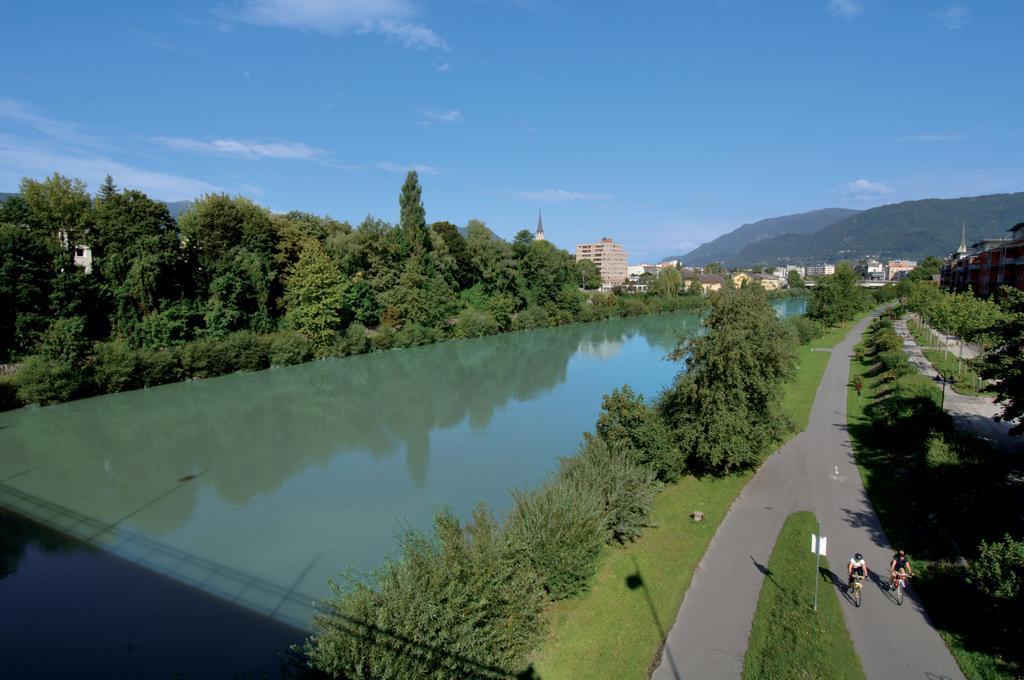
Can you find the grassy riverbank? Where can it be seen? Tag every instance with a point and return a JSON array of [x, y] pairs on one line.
[[616, 629], [788, 638], [938, 497]]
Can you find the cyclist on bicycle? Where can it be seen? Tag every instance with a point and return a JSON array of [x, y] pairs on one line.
[[856, 567], [900, 565]]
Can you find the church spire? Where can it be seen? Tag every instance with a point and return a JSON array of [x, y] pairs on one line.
[[962, 250], [539, 235]]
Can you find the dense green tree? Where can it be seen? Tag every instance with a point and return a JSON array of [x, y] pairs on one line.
[[837, 297], [136, 254], [590, 275], [794, 279], [633, 428], [546, 269], [494, 259], [925, 269], [60, 207], [315, 296], [14, 210], [1004, 364], [27, 279], [231, 245], [464, 272], [714, 268], [669, 281], [725, 408]]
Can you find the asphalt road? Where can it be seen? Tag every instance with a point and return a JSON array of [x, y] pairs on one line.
[[814, 471]]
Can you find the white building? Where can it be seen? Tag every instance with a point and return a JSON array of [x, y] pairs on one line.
[[783, 272], [821, 270], [610, 258]]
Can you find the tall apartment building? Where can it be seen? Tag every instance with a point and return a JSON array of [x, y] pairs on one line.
[[994, 262], [610, 258]]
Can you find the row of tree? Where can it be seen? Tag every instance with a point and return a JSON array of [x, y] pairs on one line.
[[469, 600], [166, 290]]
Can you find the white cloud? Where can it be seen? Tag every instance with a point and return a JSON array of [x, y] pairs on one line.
[[952, 17], [931, 138], [20, 112], [559, 196], [444, 67], [245, 149], [453, 116], [388, 166], [390, 18], [23, 158], [864, 190], [846, 8]]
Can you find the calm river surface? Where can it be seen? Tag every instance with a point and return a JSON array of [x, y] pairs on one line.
[[256, 488]]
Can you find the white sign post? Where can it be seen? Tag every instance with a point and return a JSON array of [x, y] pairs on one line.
[[819, 545]]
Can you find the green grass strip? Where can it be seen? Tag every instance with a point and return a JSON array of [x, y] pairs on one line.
[[947, 364], [615, 631], [788, 638]]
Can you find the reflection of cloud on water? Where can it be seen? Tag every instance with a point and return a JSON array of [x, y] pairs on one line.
[[602, 349]]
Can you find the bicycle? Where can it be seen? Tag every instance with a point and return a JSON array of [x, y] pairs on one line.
[[856, 588], [898, 584]]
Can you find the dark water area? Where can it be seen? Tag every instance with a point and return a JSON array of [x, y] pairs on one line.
[[68, 610]]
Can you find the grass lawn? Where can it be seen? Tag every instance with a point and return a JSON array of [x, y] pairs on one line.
[[616, 629], [947, 364], [788, 638], [902, 478]]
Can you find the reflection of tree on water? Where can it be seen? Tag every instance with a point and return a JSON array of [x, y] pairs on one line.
[[247, 433]]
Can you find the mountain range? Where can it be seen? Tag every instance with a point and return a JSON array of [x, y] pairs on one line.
[[908, 230], [174, 207]]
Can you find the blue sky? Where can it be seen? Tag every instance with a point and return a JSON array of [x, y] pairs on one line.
[[660, 124]]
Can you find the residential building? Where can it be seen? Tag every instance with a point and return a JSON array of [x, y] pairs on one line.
[[769, 282], [871, 269], [709, 283], [821, 270], [783, 272], [896, 270], [990, 264], [635, 271], [610, 258]]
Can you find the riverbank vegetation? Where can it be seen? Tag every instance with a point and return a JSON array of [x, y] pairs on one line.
[[788, 639], [229, 286], [567, 533], [945, 499]]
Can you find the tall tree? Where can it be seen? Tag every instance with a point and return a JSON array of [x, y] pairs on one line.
[[1004, 365], [794, 279], [837, 297], [413, 218], [725, 409], [315, 296], [61, 207]]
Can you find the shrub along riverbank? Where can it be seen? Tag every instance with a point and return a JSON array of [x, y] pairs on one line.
[[445, 606], [788, 639], [944, 499]]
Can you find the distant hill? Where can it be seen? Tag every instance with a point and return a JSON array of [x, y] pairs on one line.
[[726, 247], [4, 196], [911, 230], [177, 207]]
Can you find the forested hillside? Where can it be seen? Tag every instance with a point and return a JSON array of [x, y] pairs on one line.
[[726, 247], [911, 230]]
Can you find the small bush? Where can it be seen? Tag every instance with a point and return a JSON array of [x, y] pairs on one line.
[[8, 394], [286, 348], [998, 572], [42, 380], [206, 358], [384, 338], [159, 367], [530, 318], [245, 352], [626, 489], [356, 340], [116, 367], [894, 362], [629, 425], [805, 329], [414, 335], [557, 532], [474, 323], [458, 606]]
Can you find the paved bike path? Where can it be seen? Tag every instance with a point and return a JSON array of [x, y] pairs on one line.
[[814, 471]]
